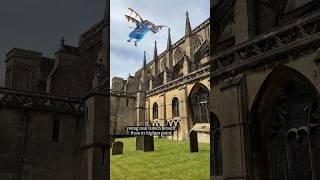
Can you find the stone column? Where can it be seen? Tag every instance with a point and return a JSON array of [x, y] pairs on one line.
[[185, 124], [22, 172], [162, 109], [141, 96], [167, 76], [95, 148], [186, 66], [148, 110], [96, 127], [234, 129], [244, 26], [141, 104], [189, 53], [151, 82]]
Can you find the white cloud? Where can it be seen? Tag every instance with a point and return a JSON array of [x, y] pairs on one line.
[[125, 57]]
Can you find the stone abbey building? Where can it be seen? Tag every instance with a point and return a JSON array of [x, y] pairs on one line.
[[260, 93], [248, 78], [172, 89], [54, 112], [264, 89]]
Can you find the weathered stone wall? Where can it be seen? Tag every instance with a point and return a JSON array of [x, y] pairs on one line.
[[118, 84], [66, 77], [42, 157], [122, 113], [27, 70], [164, 102], [44, 136], [10, 134], [239, 82]]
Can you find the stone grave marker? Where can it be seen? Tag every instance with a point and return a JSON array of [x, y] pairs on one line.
[[148, 143], [139, 143], [193, 138], [117, 148]]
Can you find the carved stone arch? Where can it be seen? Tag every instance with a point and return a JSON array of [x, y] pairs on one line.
[[155, 111], [163, 63], [199, 103], [314, 131], [149, 70], [178, 54], [202, 52], [160, 77], [175, 107], [177, 69], [198, 40], [280, 125]]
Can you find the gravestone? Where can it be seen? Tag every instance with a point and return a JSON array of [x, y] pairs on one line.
[[139, 143], [145, 143], [193, 138], [117, 148], [148, 143]]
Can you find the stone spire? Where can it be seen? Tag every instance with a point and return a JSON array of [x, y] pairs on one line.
[[144, 60], [155, 60], [155, 53], [169, 53], [143, 79], [188, 29], [169, 44]]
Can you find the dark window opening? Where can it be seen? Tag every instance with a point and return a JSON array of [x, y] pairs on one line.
[[175, 107], [55, 130], [199, 103], [155, 111]]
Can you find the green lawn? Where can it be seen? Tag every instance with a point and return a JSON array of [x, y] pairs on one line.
[[170, 160]]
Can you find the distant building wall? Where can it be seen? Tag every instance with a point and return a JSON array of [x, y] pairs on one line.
[[122, 112], [27, 70]]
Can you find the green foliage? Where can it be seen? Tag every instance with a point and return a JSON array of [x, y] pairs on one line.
[[171, 160]]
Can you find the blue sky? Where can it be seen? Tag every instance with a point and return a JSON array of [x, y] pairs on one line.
[[125, 57]]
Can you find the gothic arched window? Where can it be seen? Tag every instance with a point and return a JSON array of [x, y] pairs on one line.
[[288, 141], [155, 111], [199, 103], [179, 54], [285, 127], [175, 107], [198, 42]]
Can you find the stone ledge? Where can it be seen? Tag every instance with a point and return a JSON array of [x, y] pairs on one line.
[[46, 102], [279, 42], [194, 76]]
